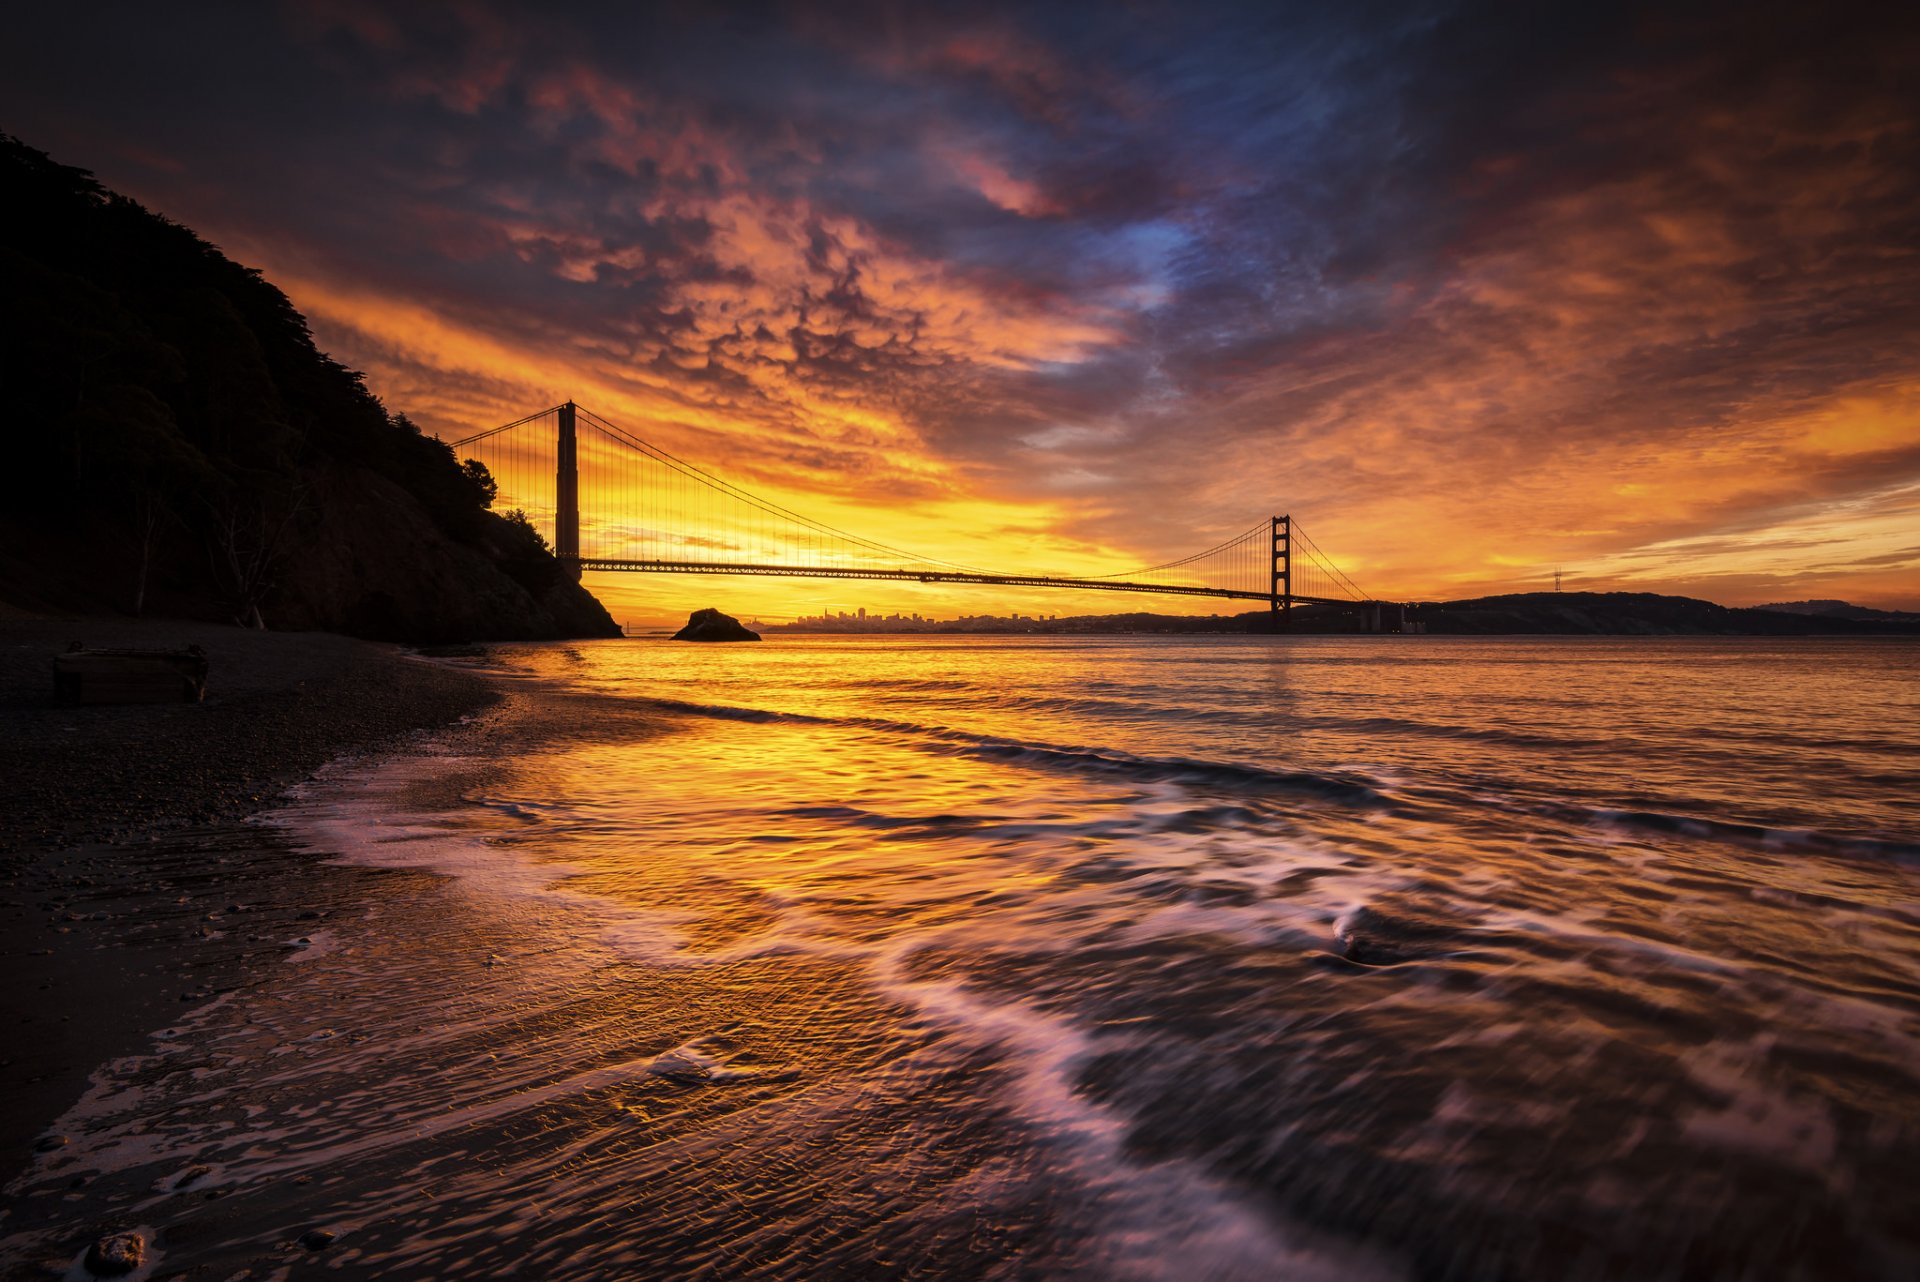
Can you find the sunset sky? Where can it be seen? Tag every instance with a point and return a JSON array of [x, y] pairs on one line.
[[1475, 293]]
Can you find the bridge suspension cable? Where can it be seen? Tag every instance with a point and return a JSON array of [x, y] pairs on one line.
[[1322, 576], [770, 509], [635, 506]]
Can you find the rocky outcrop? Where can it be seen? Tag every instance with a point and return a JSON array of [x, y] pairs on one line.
[[711, 625], [371, 563], [194, 454]]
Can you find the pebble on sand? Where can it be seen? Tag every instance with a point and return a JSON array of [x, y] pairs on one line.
[[317, 1239]]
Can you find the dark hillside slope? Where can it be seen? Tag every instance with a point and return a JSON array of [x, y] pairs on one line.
[[180, 446], [1843, 610], [1624, 614]]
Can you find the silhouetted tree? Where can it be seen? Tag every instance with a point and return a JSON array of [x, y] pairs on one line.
[[523, 552], [249, 537], [484, 486], [141, 459]]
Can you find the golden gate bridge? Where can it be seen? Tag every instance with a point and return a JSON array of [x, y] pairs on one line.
[[605, 499]]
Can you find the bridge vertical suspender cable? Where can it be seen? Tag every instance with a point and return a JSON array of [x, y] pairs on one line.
[[649, 510]]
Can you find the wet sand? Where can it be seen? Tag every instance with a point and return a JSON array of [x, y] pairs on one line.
[[130, 887]]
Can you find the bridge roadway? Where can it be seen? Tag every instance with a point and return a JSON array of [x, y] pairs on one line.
[[943, 576]]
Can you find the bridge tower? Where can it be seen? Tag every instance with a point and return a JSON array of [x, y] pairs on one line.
[[566, 489], [1283, 571]]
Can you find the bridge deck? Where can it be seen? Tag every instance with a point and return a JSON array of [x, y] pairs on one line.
[[940, 576]]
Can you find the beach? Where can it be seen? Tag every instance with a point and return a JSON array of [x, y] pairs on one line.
[[123, 848]]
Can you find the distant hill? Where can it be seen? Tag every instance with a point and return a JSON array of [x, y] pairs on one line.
[[178, 445], [1632, 614], [1843, 610]]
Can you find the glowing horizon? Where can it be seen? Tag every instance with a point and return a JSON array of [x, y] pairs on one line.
[[1004, 289]]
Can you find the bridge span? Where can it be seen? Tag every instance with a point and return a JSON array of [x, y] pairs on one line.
[[608, 500]]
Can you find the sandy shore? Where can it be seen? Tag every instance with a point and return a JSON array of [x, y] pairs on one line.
[[128, 883], [388, 1067]]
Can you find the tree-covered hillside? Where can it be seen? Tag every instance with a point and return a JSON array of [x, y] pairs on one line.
[[178, 443]]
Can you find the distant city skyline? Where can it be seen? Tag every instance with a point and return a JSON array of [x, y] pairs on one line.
[[857, 614]]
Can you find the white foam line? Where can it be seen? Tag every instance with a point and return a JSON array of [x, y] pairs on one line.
[[1166, 1219]]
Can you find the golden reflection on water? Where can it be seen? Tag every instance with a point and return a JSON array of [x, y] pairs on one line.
[[1229, 957], [1757, 726], [1613, 822]]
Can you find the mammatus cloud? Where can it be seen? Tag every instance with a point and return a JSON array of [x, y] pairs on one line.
[[1475, 298]]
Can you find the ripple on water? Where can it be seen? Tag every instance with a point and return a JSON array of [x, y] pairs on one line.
[[1071, 978]]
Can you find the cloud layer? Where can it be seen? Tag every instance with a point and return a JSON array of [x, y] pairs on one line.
[[1473, 293]]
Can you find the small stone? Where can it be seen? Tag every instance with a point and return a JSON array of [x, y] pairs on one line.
[[192, 1173], [48, 1143], [317, 1239], [115, 1254]]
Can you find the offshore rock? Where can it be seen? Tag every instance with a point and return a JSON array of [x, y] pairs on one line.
[[711, 625]]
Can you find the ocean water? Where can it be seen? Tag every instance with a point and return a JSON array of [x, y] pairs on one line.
[[1130, 957]]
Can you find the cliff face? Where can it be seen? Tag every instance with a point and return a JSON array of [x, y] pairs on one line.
[[346, 577], [183, 447]]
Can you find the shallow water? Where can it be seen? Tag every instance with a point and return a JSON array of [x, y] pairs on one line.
[[1216, 957]]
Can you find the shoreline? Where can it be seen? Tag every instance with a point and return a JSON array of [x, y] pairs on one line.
[[130, 879], [391, 1100], [542, 1016]]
